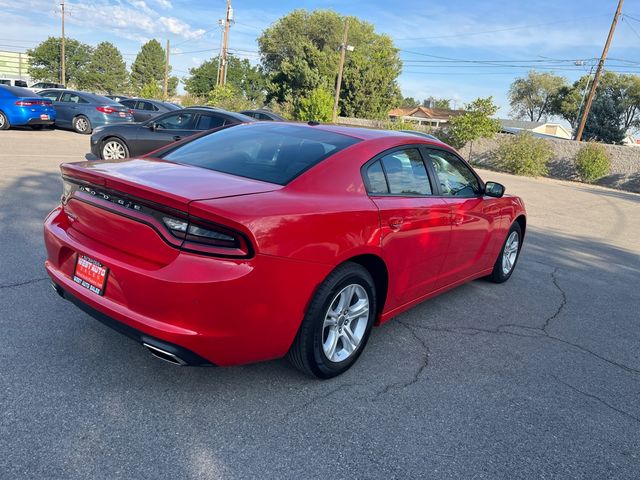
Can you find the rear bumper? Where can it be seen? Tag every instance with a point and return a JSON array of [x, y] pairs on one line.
[[32, 116], [187, 356], [225, 311]]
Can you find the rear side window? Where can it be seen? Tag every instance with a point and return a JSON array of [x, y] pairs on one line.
[[207, 122], [376, 181], [406, 173], [129, 103], [261, 151]]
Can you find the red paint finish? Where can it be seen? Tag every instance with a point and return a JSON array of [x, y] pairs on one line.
[[239, 310]]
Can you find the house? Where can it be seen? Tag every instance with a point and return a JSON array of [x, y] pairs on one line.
[[432, 117], [542, 129]]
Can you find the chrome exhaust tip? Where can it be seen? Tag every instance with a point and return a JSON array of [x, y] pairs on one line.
[[164, 355]]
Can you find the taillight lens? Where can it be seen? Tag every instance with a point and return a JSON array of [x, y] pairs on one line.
[[213, 235], [106, 109], [31, 103]]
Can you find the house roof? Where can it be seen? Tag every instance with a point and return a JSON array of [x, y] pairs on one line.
[[424, 112], [508, 123]]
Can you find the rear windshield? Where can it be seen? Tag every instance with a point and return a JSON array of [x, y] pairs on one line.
[[274, 153], [19, 91]]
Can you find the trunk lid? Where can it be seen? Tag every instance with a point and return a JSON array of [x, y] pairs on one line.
[[165, 183]]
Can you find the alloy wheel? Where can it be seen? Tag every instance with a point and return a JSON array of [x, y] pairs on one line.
[[81, 125], [113, 150], [510, 252], [345, 323]]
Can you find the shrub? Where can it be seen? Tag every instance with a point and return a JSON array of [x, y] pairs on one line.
[[592, 162], [228, 97], [316, 106], [523, 154]]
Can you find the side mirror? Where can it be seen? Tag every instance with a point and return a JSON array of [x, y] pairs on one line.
[[493, 189]]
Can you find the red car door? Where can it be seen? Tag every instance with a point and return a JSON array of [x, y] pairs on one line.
[[475, 219], [415, 224]]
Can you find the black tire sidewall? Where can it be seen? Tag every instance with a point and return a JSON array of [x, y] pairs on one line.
[[6, 125], [498, 273], [321, 365]]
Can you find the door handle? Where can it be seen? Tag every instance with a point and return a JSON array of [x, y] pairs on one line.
[[396, 222], [176, 138]]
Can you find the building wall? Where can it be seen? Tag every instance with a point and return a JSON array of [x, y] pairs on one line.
[[13, 65], [625, 161]]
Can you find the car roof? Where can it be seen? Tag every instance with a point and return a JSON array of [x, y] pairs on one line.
[[360, 132], [236, 116]]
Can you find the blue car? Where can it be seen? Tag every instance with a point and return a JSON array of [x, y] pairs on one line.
[[19, 106], [82, 111]]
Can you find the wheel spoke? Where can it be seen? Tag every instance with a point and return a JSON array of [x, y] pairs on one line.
[[331, 344], [360, 308], [349, 342], [345, 298]]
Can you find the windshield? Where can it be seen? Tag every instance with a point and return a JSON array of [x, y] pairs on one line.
[[275, 153]]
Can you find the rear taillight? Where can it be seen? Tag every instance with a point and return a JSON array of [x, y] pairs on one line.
[[31, 103], [130, 111], [106, 109], [203, 233]]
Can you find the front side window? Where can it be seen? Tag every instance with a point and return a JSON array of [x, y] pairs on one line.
[[72, 98], [129, 103], [176, 121], [406, 173], [455, 177]]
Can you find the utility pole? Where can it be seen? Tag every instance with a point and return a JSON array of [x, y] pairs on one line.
[[166, 72], [222, 72], [596, 79], [62, 56], [343, 53]]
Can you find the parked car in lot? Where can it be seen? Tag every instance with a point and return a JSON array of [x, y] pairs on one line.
[[269, 239], [12, 82], [19, 106], [263, 114], [36, 87], [122, 141], [143, 109], [82, 111], [117, 98]]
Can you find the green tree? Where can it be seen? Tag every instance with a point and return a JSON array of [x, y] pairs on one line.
[[605, 121], [532, 97], [148, 67], [408, 102], [316, 106], [44, 60], [567, 102], [300, 52], [106, 72], [150, 90], [442, 103], [228, 97], [247, 79], [474, 123]]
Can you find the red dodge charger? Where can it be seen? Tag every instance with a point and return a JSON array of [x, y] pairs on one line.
[[263, 240]]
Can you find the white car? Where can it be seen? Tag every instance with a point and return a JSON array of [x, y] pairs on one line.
[[11, 82]]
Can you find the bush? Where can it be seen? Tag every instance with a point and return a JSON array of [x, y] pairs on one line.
[[592, 162], [316, 106], [523, 154], [229, 98]]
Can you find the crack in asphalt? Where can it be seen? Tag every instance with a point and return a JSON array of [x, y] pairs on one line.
[[23, 283], [324, 396], [532, 332], [554, 279], [416, 375], [598, 399]]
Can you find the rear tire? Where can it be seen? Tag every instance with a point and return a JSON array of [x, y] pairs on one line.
[[82, 125], [508, 257], [4, 121], [337, 324]]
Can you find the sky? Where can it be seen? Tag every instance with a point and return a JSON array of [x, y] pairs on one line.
[[458, 49]]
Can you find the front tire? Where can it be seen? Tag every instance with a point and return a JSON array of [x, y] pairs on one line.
[[114, 149], [337, 324], [82, 125], [4, 121], [508, 257]]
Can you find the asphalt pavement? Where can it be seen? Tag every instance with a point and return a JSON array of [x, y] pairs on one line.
[[537, 378]]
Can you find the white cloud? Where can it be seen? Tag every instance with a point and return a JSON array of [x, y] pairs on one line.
[[178, 27]]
